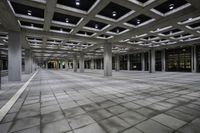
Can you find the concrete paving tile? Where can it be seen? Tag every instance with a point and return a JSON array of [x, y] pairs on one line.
[[169, 121], [100, 114], [114, 124], [80, 121], [132, 130], [50, 117], [131, 105], [193, 127], [132, 117], [56, 127], [25, 123], [92, 128], [116, 109], [50, 109], [147, 112], [151, 126], [180, 115], [72, 112], [4, 127], [30, 130]]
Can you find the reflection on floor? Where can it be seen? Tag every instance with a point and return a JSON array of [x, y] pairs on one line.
[[128, 102]]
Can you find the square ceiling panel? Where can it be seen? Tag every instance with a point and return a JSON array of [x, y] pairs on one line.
[[96, 25], [84, 5], [33, 25], [139, 20], [66, 18], [27, 10], [117, 30], [60, 29], [114, 11], [170, 5], [195, 25]]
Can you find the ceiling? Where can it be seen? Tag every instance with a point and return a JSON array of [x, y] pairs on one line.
[[60, 28]]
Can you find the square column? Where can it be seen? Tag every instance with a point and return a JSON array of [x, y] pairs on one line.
[[194, 59], [128, 62], [66, 65], [14, 56], [101, 64], [92, 64], [163, 60], [81, 63], [28, 61], [75, 67], [143, 61], [117, 65], [107, 59], [152, 60]]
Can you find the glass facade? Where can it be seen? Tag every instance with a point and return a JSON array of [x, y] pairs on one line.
[[198, 58], [123, 62], [135, 61], [158, 61], [178, 59], [146, 60]]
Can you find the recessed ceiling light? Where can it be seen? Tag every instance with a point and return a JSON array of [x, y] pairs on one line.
[[171, 6], [138, 21], [67, 20], [29, 12], [114, 13], [189, 19], [77, 2], [61, 30], [96, 26], [117, 30]]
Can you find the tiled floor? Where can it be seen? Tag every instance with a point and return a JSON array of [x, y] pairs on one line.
[[127, 102]]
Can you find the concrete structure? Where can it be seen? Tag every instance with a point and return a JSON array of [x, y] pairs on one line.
[[138, 61], [14, 56]]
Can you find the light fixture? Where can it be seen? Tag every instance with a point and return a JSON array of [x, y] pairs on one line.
[[138, 21], [61, 30], [32, 25], [114, 13], [67, 20], [29, 12], [77, 2], [171, 6], [96, 26], [117, 30], [189, 19]]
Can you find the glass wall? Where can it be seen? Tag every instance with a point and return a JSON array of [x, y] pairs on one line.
[[178, 59], [158, 60], [198, 58], [123, 62], [135, 61], [146, 60]]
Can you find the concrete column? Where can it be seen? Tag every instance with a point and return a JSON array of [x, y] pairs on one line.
[[194, 59], [128, 63], [143, 62], [33, 64], [107, 59], [152, 60], [61, 65], [117, 65], [27, 60], [101, 64], [92, 64], [163, 60], [81, 63], [66, 65], [14, 56], [75, 63], [46, 65]]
